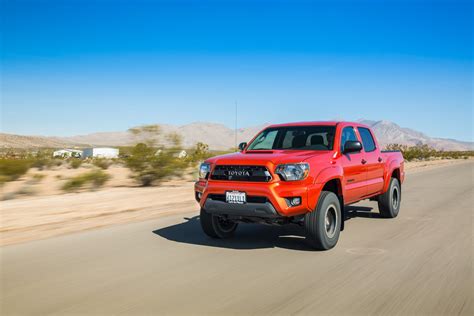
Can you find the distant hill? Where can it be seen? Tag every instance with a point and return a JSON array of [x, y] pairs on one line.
[[20, 141], [220, 137], [390, 133]]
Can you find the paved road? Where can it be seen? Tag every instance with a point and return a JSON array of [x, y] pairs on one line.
[[419, 263]]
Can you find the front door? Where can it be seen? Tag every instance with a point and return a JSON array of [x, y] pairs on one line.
[[355, 170]]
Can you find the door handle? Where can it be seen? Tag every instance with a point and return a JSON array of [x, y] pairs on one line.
[[380, 159], [364, 161]]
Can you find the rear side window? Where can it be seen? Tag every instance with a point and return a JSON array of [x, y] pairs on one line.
[[367, 139], [347, 134]]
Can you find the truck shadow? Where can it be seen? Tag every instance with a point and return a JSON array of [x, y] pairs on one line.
[[360, 211], [250, 236], [247, 236]]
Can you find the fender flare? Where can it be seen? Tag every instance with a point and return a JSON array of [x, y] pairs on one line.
[[324, 176], [328, 174], [394, 164]]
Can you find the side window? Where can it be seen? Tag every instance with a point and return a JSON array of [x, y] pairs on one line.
[[288, 139], [367, 139], [347, 134]]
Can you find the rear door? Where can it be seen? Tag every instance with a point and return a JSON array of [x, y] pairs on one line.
[[374, 162], [355, 171]]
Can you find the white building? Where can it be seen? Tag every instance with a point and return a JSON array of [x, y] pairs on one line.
[[100, 152], [67, 153]]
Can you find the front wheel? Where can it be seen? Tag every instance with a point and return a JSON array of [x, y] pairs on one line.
[[389, 202], [323, 225], [217, 226]]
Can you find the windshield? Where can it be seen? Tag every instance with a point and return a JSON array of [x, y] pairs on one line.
[[295, 138]]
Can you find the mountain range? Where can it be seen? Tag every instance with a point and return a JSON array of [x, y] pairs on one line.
[[220, 137]]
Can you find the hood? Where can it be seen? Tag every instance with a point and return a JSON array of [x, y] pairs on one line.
[[263, 157]]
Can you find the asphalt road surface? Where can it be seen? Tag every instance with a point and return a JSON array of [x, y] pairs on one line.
[[418, 263]]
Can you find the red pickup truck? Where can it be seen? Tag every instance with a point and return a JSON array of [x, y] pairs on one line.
[[302, 173]]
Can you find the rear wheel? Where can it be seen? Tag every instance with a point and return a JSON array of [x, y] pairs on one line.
[[389, 202], [323, 225], [216, 226]]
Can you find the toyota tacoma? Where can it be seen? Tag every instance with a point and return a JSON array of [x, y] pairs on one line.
[[301, 173]]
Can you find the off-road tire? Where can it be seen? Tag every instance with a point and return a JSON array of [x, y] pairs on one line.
[[215, 226], [323, 234], [389, 202]]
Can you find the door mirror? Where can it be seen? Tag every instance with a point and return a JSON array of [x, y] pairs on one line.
[[352, 146], [242, 146]]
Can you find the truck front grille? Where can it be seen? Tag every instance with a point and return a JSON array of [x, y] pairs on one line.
[[241, 173]]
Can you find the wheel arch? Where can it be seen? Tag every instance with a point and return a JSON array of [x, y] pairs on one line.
[[394, 171], [396, 174], [334, 185]]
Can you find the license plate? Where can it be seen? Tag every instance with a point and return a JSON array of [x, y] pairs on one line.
[[236, 197]]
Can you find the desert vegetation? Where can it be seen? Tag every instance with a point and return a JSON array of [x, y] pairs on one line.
[[152, 163], [93, 179], [12, 169], [425, 152]]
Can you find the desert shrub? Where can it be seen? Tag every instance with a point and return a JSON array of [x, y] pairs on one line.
[[26, 190], [41, 163], [36, 178], [12, 169], [4, 179], [43, 160], [151, 164], [102, 163], [75, 163], [200, 153], [95, 179]]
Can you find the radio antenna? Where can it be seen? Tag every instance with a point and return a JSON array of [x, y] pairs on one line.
[[236, 125]]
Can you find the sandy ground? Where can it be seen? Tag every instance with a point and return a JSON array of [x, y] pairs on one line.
[[419, 263], [45, 211]]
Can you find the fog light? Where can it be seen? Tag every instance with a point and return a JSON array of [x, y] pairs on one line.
[[294, 201], [198, 197]]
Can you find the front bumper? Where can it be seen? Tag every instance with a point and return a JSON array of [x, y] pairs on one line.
[[261, 210], [274, 192]]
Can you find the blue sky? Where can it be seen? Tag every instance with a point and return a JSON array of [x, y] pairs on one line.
[[75, 67]]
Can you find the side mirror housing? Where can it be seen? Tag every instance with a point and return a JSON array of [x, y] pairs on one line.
[[352, 146], [242, 146]]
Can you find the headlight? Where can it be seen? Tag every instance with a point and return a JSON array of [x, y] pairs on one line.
[[293, 172], [204, 170]]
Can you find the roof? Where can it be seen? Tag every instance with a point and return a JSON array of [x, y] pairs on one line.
[[312, 123]]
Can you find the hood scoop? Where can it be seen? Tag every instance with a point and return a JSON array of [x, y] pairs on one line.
[[259, 152]]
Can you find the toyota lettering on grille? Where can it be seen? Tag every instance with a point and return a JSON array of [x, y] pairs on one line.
[[238, 173]]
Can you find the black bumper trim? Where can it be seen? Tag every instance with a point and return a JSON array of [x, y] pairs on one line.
[[262, 210]]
